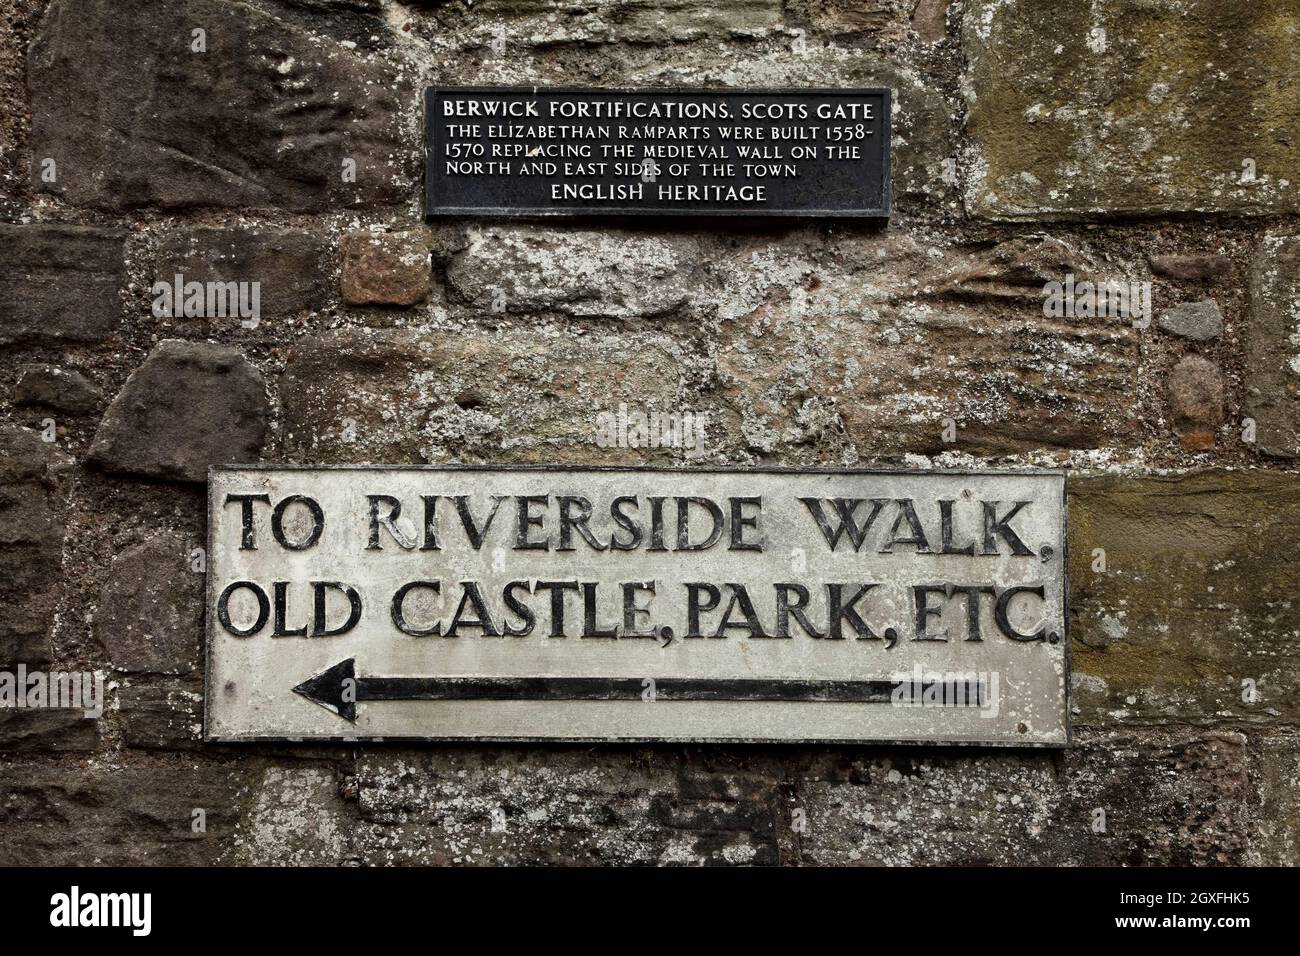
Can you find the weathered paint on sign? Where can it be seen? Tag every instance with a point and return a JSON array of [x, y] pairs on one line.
[[629, 604]]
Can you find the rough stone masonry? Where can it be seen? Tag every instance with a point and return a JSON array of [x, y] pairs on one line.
[[1033, 140]]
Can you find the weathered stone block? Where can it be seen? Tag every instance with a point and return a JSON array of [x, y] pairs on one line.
[[893, 343], [1122, 107], [32, 487], [190, 405], [1174, 800], [287, 264], [161, 716], [854, 18], [1272, 350], [264, 117], [59, 284], [1016, 270], [150, 615], [546, 23], [568, 806], [47, 729], [123, 813], [297, 817], [585, 273], [385, 268], [396, 396], [1198, 597]]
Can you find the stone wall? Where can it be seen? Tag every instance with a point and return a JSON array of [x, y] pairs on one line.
[[1033, 139]]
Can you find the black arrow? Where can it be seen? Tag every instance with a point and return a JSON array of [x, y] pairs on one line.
[[340, 690]]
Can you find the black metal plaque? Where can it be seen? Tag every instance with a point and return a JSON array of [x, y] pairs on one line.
[[494, 151]]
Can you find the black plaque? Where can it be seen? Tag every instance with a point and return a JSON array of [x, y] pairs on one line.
[[496, 151]]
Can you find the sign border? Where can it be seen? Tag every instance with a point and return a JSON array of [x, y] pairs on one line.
[[349, 739], [432, 210]]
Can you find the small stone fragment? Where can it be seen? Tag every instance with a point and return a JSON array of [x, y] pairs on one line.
[[1196, 400], [1190, 267], [385, 268], [59, 389], [930, 20], [1198, 321]]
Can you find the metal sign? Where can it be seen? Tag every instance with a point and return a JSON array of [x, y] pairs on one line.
[[494, 151], [636, 604]]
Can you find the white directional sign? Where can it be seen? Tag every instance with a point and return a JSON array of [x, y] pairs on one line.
[[636, 604]]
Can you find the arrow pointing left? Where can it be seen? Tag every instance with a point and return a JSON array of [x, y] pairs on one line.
[[339, 689]]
